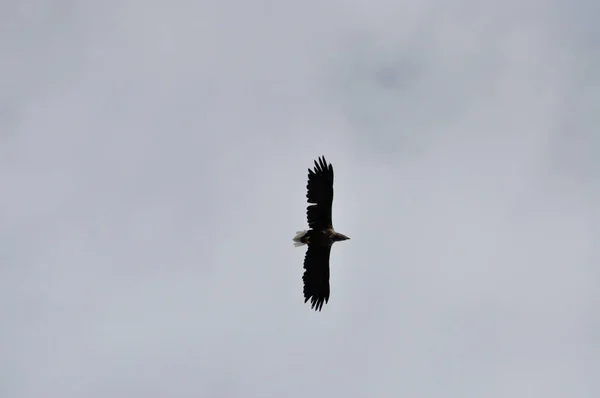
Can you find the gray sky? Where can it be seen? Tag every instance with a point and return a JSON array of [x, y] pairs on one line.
[[153, 162]]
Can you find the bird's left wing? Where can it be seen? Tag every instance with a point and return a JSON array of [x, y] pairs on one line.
[[316, 275]]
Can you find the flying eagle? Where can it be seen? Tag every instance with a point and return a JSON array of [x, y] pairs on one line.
[[321, 235]]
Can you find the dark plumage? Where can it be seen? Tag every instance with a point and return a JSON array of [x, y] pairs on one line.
[[321, 235]]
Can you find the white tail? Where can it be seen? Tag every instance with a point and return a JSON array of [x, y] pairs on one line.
[[298, 238]]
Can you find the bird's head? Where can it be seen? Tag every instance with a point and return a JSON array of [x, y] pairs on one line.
[[339, 237]]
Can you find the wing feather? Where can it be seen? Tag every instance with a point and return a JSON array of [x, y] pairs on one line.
[[316, 276], [320, 194]]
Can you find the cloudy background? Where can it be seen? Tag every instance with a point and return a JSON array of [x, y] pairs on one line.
[[153, 162]]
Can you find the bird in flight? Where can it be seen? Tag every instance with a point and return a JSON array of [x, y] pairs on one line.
[[321, 235]]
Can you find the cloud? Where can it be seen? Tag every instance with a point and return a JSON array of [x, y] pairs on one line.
[[155, 169]]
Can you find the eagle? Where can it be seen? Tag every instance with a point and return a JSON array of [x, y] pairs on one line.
[[321, 235]]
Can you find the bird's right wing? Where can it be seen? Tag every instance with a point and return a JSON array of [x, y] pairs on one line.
[[316, 276], [320, 192]]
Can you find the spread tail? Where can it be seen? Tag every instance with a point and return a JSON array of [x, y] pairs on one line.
[[298, 238]]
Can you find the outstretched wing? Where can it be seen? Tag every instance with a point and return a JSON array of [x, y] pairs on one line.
[[316, 276], [320, 192]]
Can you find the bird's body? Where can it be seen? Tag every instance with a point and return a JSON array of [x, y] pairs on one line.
[[321, 235]]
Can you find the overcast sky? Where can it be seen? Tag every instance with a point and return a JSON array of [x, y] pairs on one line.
[[153, 165]]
